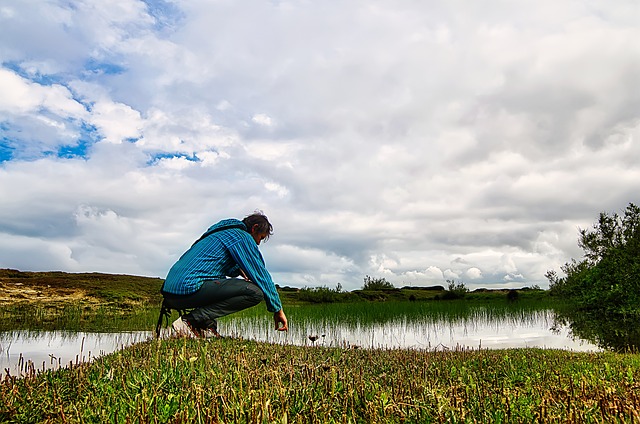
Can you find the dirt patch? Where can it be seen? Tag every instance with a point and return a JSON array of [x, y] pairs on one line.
[[13, 293]]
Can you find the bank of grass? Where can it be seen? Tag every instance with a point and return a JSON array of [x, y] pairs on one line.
[[77, 301], [184, 380], [109, 318], [315, 295], [55, 289], [114, 302], [96, 288]]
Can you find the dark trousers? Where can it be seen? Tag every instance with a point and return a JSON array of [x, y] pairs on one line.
[[215, 299]]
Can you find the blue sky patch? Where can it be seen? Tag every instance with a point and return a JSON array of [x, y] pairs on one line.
[[74, 151], [103, 68], [6, 151], [6, 147], [159, 156], [89, 135], [42, 79], [166, 14]]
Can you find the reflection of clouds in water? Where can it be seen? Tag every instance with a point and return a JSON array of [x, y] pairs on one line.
[[54, 349], [527, 330]]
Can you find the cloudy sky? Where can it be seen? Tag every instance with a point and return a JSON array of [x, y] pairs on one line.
[[418, 141]]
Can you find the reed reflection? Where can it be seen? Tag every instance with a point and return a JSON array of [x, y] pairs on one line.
[[468, 327]]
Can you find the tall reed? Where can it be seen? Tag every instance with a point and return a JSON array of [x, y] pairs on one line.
[[77, 318]]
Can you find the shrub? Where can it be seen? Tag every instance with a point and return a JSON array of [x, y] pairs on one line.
[[512, 295], [321, 294], [607, 279], [376, 284], [455, 290]]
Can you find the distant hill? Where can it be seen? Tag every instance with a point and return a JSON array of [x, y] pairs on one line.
[[56, 287]]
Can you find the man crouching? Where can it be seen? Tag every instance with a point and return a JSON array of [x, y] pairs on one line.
[[198, 280]]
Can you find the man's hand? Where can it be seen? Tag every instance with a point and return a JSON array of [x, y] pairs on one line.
[[244, 275], [281, 321]]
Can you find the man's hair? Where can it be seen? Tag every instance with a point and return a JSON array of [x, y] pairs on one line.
[[260, 219]]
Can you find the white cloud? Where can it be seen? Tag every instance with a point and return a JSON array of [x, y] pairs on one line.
[[474, 273], [116, 122], [21, 96], [262, 119], [40, 117], [450, 275], [417, 142], [277, 188]]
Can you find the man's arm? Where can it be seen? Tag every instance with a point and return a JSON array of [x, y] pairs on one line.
[[246, 254]]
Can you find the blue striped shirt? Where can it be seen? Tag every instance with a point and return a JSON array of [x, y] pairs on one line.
[[219, 255]]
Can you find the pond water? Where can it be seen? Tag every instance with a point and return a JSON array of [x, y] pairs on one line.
[[25, 352], [531, 329], [22, 352]]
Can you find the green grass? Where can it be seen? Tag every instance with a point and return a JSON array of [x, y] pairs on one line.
[[365, 313], [77, 318], [180, 380], [325, 295]]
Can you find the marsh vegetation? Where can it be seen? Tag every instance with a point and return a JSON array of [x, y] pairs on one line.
[[228, 380], [311, 379]]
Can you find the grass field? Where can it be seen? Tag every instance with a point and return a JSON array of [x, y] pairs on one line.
[[227, 380]]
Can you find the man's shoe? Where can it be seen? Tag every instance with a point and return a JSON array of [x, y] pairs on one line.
[[183, 328], [211, 333]]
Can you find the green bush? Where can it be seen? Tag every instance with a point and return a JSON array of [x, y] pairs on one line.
[[376, 284], [322, 294], [607, 279], [455, 291]]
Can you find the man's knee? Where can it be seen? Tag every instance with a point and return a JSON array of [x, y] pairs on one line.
[[255, 295]]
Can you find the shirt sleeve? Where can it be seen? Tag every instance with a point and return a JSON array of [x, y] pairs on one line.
[[249, 258]]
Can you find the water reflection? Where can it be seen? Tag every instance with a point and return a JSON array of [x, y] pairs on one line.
[[610, 333], [25, 352], [477, 331], [22, 352]]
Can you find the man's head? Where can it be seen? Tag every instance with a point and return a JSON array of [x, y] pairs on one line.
[[258, 226]]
